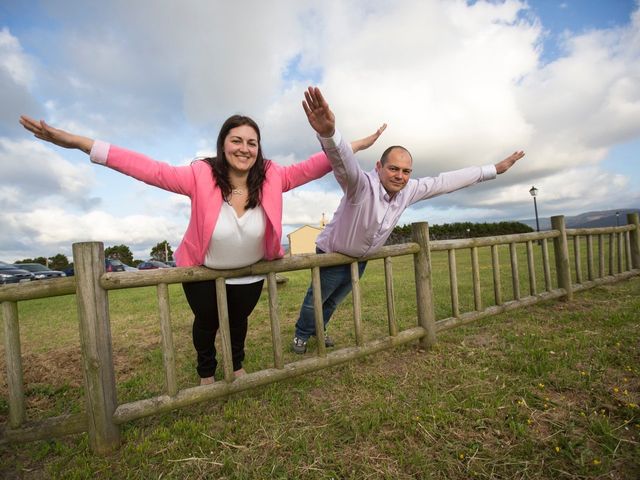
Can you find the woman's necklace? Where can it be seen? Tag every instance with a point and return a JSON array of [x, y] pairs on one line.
[[237, 191]]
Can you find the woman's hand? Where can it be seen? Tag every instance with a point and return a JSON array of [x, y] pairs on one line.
[[366, 142], [508, 162], [56, 136]]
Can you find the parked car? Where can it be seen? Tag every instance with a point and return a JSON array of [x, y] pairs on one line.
[[110, 265], [11, 274], [40, 272], [113, 265], [170, 263], [152, 264]]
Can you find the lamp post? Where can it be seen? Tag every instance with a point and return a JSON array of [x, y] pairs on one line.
[[534, 194]]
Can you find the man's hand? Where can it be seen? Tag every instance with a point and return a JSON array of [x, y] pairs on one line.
[[508, 162], [56, 136], [320, 116]]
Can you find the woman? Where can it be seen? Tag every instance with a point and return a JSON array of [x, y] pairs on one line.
[[236, 217]]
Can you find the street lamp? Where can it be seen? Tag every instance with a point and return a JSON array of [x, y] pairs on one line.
[[534, 194]]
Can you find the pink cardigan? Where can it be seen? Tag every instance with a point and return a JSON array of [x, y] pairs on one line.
[[196, 181]]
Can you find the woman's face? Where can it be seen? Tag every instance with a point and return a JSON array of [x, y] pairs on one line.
[[241, 148]]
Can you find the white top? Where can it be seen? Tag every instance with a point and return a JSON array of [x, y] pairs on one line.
[[237, 242]]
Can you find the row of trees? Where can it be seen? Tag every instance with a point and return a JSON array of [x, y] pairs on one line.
[[57, 262], [402, 234], [162, 251]]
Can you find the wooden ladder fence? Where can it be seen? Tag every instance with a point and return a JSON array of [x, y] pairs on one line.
[[103, 415]]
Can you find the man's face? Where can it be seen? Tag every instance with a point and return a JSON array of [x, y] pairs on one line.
[[395, 172]]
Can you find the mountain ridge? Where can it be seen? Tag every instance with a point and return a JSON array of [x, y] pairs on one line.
[[594, 219]]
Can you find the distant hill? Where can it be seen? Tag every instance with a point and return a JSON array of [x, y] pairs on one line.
[[606, 218]]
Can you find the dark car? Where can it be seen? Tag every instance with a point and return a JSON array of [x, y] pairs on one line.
[[113, 265], [110, 265], [40, 272], [170, 263], [11, 274], [152, 264]]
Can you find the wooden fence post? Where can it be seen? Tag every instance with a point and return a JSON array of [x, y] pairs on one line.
[[561, 253], [424, 286], [95, 344], [15, 382], [632, 219]]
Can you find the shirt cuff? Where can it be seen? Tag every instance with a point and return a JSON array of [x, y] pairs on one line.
[[99, 152], [330, 142], [489, 172]]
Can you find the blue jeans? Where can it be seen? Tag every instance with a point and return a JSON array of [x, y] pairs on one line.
[[335, 284]]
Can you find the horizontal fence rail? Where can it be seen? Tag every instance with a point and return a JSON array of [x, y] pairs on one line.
[[612, 254]]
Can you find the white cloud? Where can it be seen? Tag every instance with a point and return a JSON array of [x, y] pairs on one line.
[[307, 207], [46, 231], [13, 59], [16, 77], [33, 174], [458, 83]]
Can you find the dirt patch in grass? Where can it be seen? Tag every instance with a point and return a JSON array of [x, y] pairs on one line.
[[50, 376]]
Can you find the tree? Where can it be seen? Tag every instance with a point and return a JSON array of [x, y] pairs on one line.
[[120, 252], [162, 251], [58, 262], [402, 234], [40, 260]]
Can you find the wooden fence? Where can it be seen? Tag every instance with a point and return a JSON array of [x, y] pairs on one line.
[[103, 415]]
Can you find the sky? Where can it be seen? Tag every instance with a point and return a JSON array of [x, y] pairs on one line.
[[459, 83]]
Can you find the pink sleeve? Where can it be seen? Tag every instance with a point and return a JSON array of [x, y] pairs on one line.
[[159, 174], [314, 167]]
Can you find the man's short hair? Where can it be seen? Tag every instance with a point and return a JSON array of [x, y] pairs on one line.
[[385, 154]]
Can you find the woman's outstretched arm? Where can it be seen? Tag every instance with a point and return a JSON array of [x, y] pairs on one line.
[[45, 132]]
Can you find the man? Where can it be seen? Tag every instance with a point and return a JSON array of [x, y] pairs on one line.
[[370, 207]]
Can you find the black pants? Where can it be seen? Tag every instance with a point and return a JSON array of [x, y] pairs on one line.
[[241, 300]]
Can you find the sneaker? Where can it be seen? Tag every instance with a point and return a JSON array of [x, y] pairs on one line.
[[299, 345], [328, 341]]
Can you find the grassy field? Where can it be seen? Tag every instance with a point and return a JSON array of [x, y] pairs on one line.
[[549, 391]]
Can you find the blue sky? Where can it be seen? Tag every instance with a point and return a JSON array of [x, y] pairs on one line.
[[459, 83]]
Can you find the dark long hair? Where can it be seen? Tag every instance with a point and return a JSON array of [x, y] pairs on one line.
[[220, 165]]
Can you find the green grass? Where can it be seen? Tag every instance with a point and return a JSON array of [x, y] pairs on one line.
[[548, 391]]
